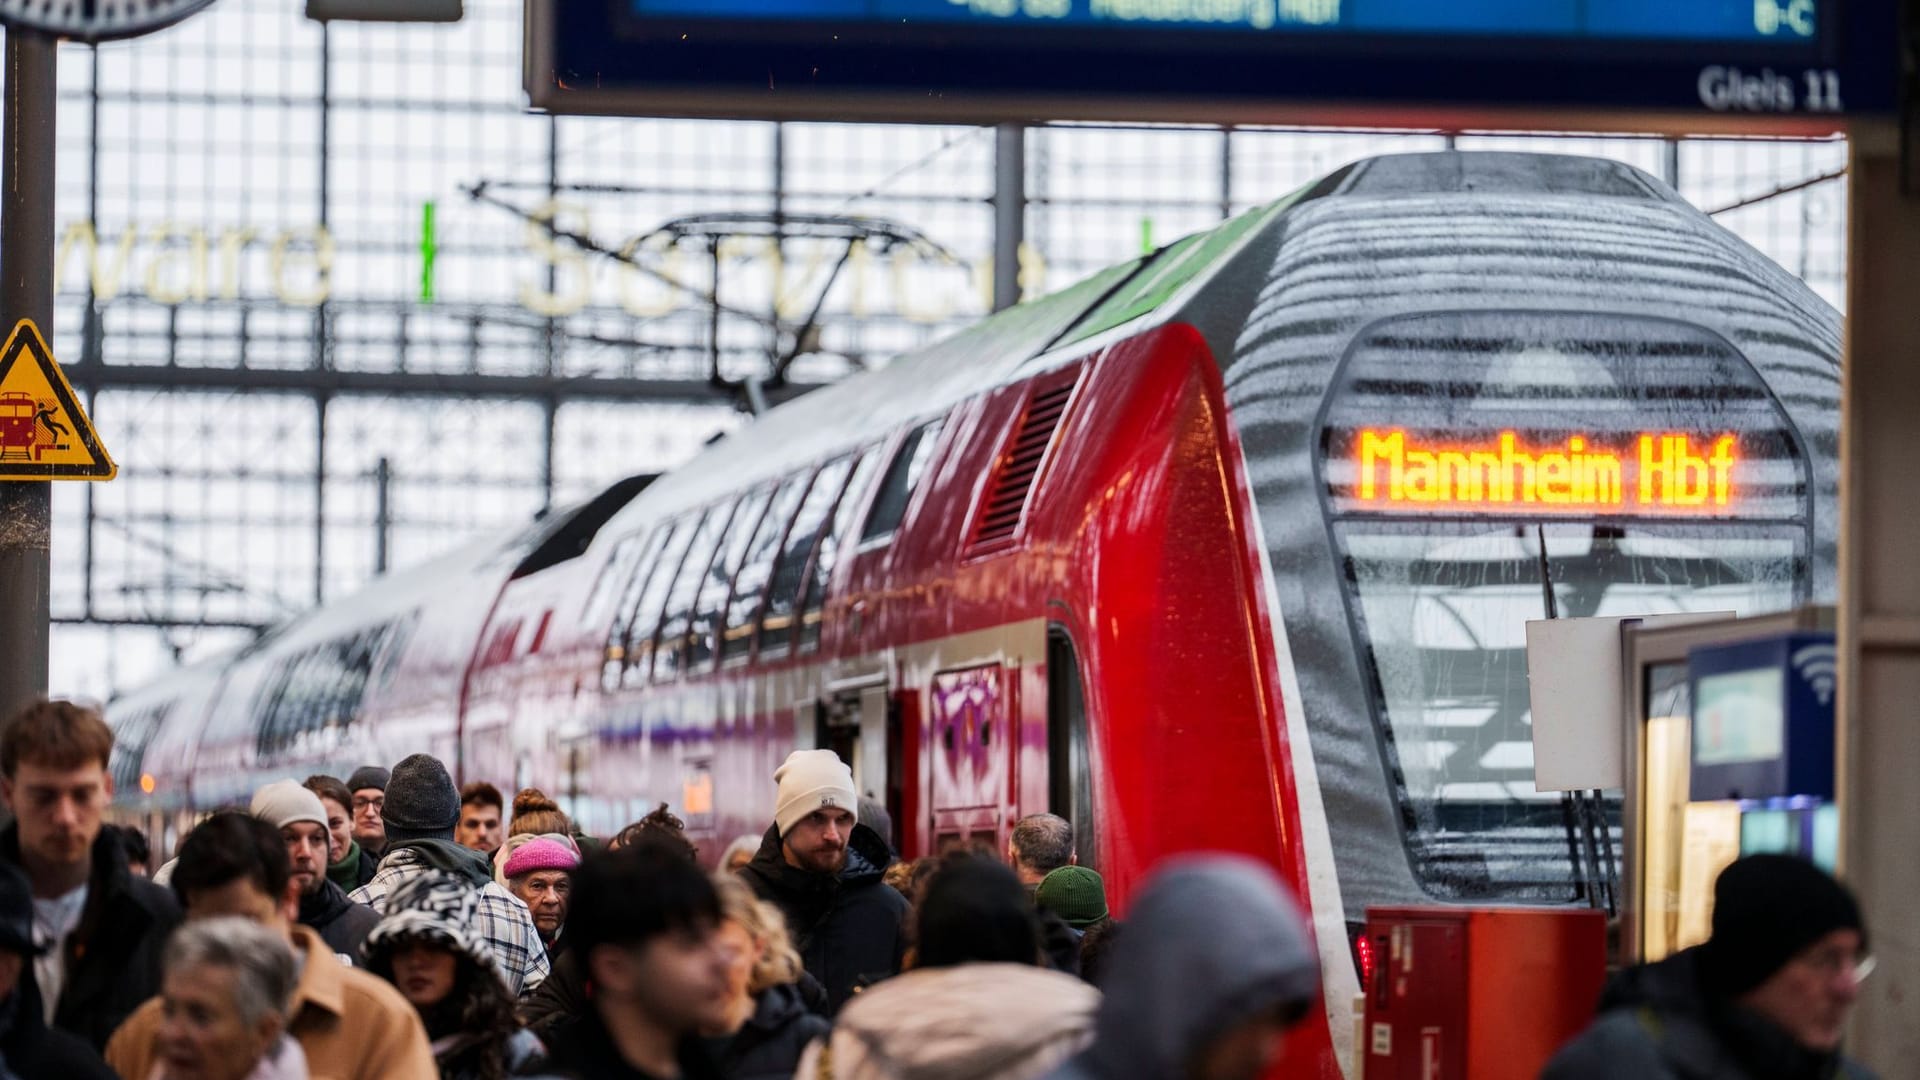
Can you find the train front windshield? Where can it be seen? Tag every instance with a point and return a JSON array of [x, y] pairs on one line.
[[1443, 610], [1476, 464]]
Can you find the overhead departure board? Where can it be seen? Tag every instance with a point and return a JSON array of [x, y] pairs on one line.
[[1704, 20], [1704, 65]]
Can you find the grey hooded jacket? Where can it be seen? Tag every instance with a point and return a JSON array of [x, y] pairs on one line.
[[1210, 942]]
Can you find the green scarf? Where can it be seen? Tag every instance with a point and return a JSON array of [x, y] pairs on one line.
[[346, 872]]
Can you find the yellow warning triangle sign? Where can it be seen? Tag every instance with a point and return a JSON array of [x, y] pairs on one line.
[[44, 433]]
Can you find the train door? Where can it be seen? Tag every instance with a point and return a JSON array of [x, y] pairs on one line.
[[971, 758], [862, 726], [1069, 757]]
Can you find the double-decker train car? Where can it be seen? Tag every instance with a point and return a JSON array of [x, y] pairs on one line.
[[1231, 547]]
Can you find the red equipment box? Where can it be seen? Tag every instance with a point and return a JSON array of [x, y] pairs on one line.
[[1478, 993]]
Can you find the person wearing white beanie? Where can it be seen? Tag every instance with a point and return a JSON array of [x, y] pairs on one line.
[[302, 820], [825, 871], [284, 802], [812, 781]]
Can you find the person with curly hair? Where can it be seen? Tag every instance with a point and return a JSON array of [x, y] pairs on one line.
[[769, 1019], [426, 947], [661, 823], [535, 814]]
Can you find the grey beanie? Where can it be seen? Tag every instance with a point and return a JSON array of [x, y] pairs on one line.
[[367, 776], [422, 803]]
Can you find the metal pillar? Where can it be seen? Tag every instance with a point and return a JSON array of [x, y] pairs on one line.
[[550, 336], [26, 292], [92, 348], [779, 170], [550, 416], [322, 331], [382, 514], [320, 402], [1009, 213], [1879, 751], [1226, 173]]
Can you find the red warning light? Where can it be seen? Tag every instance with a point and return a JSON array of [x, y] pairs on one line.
[[1363, 953]]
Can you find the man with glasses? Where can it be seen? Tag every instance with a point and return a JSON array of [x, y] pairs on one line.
[[1766, 997], [368, 786]]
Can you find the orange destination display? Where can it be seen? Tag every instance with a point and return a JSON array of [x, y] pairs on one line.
[[1653, 472]]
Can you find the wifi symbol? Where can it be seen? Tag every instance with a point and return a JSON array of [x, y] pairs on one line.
[[1817, 664]]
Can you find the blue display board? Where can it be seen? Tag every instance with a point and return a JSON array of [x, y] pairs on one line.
[[1762, 720], [1706, 65], [1706, 20]]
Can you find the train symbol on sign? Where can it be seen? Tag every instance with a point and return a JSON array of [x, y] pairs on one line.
[[1818, 665], [29, 427]]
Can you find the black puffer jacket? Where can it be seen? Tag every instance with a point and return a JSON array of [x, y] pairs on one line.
[[586, 1051], [560, 999], [846, 926], [32, 1050], [340, 922], [113, 958], [1062, 942], [1658, 1023], [769, 1044]]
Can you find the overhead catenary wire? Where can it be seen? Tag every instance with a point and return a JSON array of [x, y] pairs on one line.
[[1788, 189]]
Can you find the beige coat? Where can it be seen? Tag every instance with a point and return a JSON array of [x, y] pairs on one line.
[[972, 1022], [351, 1025]]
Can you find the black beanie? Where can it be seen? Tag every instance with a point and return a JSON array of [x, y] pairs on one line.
[[367, 776], [422, 803], [1766, 908]]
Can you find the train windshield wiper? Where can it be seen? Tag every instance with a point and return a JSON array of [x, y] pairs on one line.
[[1589, 842]]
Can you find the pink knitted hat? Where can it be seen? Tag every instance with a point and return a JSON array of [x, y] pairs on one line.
[[541, 854]]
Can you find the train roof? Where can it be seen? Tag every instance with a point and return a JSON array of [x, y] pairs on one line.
[[171, 687], [1171, 283], [550, 538], [1119, 301]]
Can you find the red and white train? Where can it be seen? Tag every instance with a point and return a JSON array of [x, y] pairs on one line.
[[1230, 547]]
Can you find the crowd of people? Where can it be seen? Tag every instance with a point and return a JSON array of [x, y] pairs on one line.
[[393, 925]]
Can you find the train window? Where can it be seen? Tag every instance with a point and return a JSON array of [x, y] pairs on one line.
[[743, 609], [1444, 607], [677, 618], [711, 606], [292, 699], [828, 556], [646, 563], [896, 489], [612, 579], [645, 619], [783, 592], [132, 734], [390, 648], [311, 697]]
